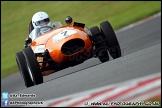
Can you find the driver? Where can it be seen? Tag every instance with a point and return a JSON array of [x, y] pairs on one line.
[[39, 19]]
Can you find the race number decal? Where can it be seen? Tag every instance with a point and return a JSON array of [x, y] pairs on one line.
[[63, 34], [39, 49]]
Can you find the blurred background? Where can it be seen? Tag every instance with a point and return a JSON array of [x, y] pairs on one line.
[[16, 15]]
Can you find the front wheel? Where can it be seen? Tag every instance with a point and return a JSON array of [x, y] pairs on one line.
[[20, 59], [33, 66], [110, 39]]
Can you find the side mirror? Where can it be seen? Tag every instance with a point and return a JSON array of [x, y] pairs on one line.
[[68, 20]]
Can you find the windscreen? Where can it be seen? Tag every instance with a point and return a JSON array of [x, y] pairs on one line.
[[36, 32]]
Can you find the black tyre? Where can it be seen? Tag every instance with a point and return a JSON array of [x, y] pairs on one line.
[[23, 69], [33, 65], [100, 47], [110, 39]]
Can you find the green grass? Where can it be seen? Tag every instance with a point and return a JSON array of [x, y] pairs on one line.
[[15, 17]]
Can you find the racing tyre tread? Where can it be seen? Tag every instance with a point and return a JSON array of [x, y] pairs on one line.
[[33, 65], [20, 59], [110, 39]]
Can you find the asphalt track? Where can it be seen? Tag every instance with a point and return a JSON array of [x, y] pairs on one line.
[[141, 56]]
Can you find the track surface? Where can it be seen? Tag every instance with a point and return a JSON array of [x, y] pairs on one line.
[[141, 56]]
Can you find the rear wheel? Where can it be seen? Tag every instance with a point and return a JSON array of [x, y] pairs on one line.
[[23, 69], [110, 39], [33, 66], [100, 48]]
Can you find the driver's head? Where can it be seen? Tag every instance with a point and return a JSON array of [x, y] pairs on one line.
[[40, 19]]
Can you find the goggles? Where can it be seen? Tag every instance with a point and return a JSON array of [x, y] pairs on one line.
[[42, 22]]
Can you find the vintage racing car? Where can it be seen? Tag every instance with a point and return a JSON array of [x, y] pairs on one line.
[[55, 47]]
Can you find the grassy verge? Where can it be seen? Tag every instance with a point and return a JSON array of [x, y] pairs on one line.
[[15, 16]]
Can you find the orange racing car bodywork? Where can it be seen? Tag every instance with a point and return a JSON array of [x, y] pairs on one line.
[[69, 34]]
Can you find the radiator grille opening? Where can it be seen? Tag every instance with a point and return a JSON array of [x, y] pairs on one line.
[[72, 46]]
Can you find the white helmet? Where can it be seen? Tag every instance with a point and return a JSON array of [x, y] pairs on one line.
[[40, 19]]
